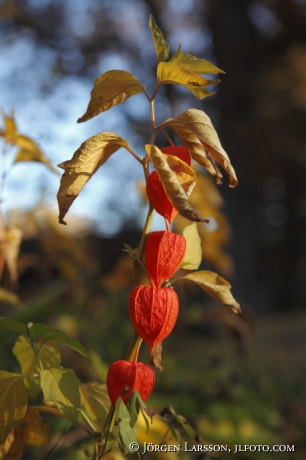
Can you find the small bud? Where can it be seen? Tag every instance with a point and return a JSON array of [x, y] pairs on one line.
[[164, 254], [123, 377], [153, 312]]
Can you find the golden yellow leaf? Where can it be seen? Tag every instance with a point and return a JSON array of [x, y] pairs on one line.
[[110, 89], [197, 123], [95, 401], [92, 154], [161, 46], [216, 286], [201, 92], [9, 297], [193, 254], [194, 64], [168, 73], [29, 151], [35, 430], [10, 128], [178, 180], [13, 447], [13, 402]]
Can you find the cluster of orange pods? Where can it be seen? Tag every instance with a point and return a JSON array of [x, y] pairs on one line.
[[153, 309]]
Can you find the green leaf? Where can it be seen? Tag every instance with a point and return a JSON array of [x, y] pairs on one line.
[[216, 286], [110, 89], [193, 254], [161, 46], [169, 73], [126, 432], [195, 124], [95, 400], [13, 402], [194, 64], [133, 407], [92, 154], [61, 386], [42, 333], [13, 326], [27, 359]]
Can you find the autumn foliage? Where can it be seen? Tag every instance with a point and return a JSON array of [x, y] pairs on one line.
[[164, 256]]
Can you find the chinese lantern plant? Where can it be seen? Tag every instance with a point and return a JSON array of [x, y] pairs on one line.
[[170, 180]]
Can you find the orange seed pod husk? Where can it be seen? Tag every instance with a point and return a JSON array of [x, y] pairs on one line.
[[159, 198], [153, 312], [164, 254], [179, 151], [123, 377]]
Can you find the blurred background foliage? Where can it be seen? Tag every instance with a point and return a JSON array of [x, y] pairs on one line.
[[240, 380]]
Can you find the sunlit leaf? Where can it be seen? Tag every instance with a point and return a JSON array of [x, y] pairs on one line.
[[35, 430], [9, 297], [193, 254], [168, 73], [61, 386], [194, 64], [14, 445], [92, 154], [10, 128], [110, 89], [29, 151], [201, 93], [161, 46], [197, 123], [178, 180], [28, 361], [95, 400], [216, 286], [13, 326], [42, 333], [13, 402]]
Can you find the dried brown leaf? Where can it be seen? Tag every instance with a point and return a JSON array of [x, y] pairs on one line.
[[196, 122], [178, 180], [216, 286]]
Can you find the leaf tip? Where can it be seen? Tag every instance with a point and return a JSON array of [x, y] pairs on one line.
[[61, 220]]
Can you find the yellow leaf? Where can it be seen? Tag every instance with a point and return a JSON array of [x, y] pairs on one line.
[[172, 73], [29, 151], [177, 179], [92, 154], [197, 123], [161, 46], [201, 92], [27, 359], [34, 430], [13, 402], [13, 447], [10, 128], [193, 255], [61, 386], [110, 89], [95, 400], [9, 297], [216, 286], [194, 64]]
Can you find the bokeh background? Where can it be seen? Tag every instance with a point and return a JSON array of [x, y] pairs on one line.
[[250, 386]]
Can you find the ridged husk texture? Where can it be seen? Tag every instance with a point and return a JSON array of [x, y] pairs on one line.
[[123, 377], [164, 254], [153, 312]]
